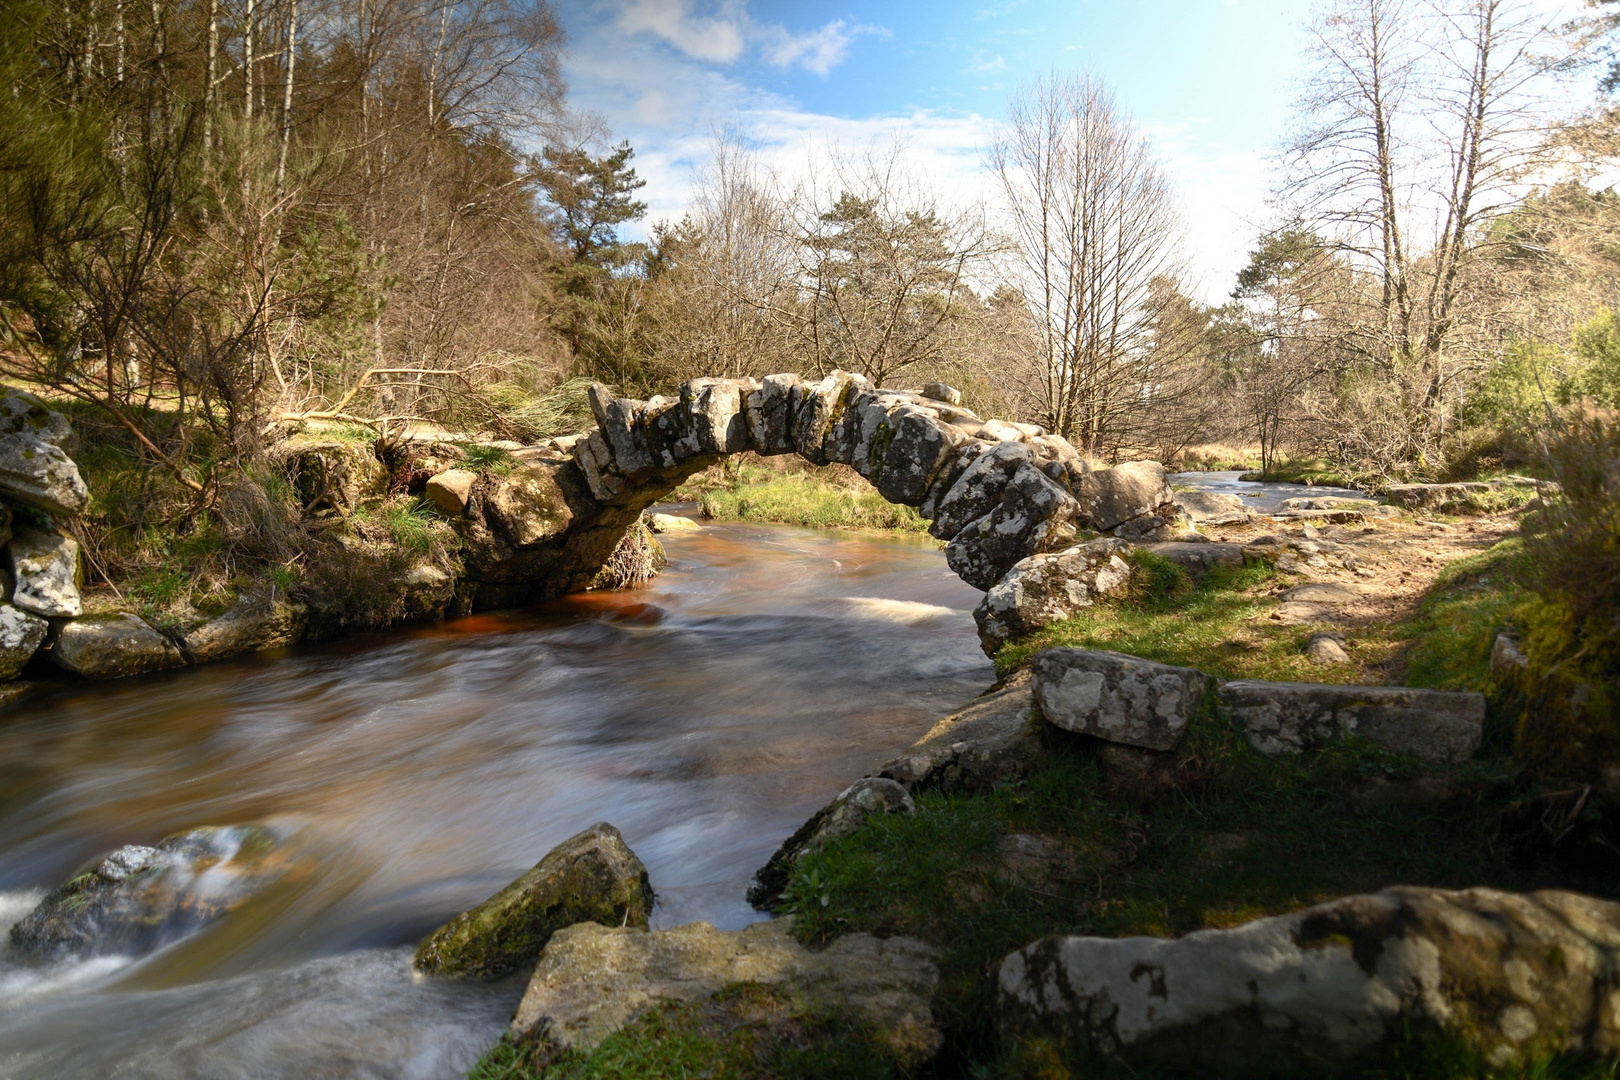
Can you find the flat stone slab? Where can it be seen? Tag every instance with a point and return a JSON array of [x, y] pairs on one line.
[[1437, 726], [1199, 558], [1115, 697], [1341, 516], [1326, 592], [1315, 991], [593, 979]]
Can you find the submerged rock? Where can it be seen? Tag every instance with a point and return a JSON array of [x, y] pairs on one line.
[[1288, 718], [592, 876], [21, 635], [865, 798], [45, 564], [33, 468], [140, 897], [1510, 975], [1047, 588], [592, 980], [112, 647], [1117, 698], [672, 523]]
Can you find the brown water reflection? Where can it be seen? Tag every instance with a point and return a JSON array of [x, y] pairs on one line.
[[705, 716]]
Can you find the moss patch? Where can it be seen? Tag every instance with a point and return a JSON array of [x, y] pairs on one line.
[[745, 1032], [805, 498]]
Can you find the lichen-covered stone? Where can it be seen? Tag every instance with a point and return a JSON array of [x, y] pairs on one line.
[[592, 980], [1111, 497], [259, 620], [1204, 505], [1332, 987], [1117, 698], [45, 568], [939, 391], [21, 635], [821, 408], [592, 876], [716, 409], [1199, 558], [527, 505], [864, 798], [768, 412], [141, 897], [1047, 588], [979, 489], [113, 647], [34, 470], [1288, 718], [1035, 515]]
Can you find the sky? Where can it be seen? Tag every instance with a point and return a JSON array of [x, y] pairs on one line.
[[1210, 82]]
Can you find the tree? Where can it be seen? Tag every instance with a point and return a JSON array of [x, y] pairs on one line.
[[1094, 226], [1416, 109], [1283, 289], [590, 197]]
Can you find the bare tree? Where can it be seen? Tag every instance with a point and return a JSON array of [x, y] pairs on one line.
[[1420, 122], [1094, 226]]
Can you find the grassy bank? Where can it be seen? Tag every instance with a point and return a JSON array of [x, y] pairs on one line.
[[826, 498]]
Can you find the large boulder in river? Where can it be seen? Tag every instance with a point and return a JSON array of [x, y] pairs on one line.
[[33, 468], [112, 647], [1218, 506], [45, 566], [1117, 698], [21, 635], [1511, 976], [592, 980], [1048, 588], [141, 897], [1288, 718], [590, 877]]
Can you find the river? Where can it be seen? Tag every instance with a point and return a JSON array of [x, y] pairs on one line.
[[415, 773]]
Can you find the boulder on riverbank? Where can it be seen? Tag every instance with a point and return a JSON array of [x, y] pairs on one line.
[[592, 980], [257, 621], [990, 741], [21, 635], [1509, 975], [34, 470], [1047, 588], [865, 798], [592, 876], [45, 567], [112, 647], [1117, 698], [140, 897], [1437, 726]]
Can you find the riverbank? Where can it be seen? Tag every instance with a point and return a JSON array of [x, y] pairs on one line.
[[793, 492], [1072, 837]]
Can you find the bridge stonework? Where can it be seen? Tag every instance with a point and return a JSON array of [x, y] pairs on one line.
[[996, 492]]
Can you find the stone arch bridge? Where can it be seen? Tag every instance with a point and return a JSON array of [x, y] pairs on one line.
[[996, 492]]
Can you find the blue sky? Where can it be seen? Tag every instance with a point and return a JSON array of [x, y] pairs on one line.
[[1209, 81]]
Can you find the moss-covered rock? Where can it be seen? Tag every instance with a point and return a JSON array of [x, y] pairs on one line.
[[591, 877]]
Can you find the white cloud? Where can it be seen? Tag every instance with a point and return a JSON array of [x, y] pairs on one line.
[[819, 50], [718, 40]]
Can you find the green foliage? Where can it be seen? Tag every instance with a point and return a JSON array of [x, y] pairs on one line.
[[591, 196], [491, 459], [1597, 345], [745, 1032], [805, 499]]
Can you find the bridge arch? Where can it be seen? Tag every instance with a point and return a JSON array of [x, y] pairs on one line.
[[995, 492]]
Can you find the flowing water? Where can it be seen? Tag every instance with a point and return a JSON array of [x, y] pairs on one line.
[[1261, 497], [416, 773]]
